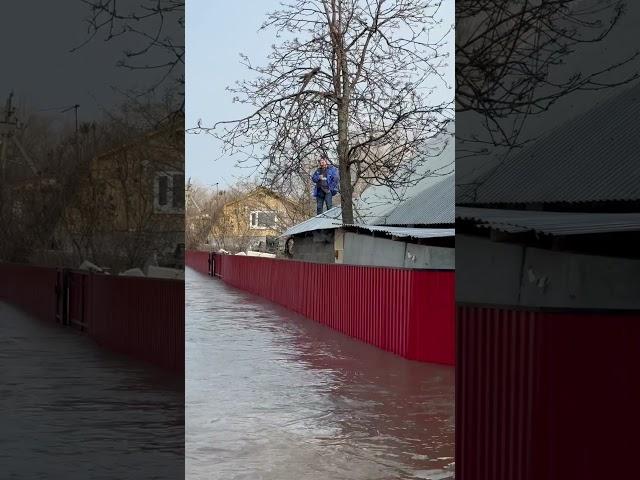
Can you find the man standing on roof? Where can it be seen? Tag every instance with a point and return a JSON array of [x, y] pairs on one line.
[[327, 179]]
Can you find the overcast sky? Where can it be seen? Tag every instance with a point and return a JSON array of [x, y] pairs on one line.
[[217, 31], [36, 38]]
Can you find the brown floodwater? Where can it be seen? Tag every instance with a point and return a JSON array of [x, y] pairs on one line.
[[70, 410], [272, 395]]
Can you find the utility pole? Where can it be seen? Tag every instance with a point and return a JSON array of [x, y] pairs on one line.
[[77, 140]]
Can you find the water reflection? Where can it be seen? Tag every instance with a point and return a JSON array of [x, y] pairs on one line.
[[71, 410], [271, 395]]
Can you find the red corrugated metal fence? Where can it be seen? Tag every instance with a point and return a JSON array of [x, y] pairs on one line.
[[407, 312], [33, 289], [199, 261], [546, 395], [216, 264], [140, 317], [79, 294]]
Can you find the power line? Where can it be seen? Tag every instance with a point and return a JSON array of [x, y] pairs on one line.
[[61, 109]]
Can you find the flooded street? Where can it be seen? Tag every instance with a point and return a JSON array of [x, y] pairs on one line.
[[71, 410], [271, 395]]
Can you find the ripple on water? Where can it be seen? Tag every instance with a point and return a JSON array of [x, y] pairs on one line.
[[75, 411], [271, 395]]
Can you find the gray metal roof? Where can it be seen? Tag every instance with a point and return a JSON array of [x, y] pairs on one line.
[[327, 220], [432, 206], [332, 219], [552, 223], [594, 157], [408, 232]]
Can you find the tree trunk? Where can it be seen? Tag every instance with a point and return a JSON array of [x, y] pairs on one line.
[[344, 96], [346, 189], [345, 173]]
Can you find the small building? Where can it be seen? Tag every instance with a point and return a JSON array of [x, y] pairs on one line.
[[418, 233], [254, 221], [543, 241], [127, 208]]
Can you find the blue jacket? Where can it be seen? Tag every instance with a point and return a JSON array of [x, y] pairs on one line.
[[333, 180]]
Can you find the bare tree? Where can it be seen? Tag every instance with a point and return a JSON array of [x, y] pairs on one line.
[[510, 56], [202, 211], [348, 78], [156, 27], [231, 230], [110, 214], [35, 162], [90, 194]]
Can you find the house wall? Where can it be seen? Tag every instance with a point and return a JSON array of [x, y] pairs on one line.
[[237, 215], [115, 220], [233, 231], [507, 274], [128, 176]]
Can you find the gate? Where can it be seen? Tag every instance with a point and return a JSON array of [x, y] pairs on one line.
[[77, 296], [139, 317]]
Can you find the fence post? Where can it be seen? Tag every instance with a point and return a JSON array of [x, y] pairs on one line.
[[59, 291], [65, 296]]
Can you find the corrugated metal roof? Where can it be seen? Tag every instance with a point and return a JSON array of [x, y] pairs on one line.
[[593, 157], [327, 220], [408, 232], [552, 223], [432, 206], [333, 219]]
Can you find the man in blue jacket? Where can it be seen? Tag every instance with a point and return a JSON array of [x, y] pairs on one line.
[[327, 179]]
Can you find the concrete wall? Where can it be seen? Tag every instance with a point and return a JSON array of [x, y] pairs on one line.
[[337, 246], [506, 274], [487, 272], [317, 247], [367, 250], [425, 256]]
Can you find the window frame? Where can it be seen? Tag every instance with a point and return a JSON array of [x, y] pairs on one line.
[[169, 207], [257, 214]]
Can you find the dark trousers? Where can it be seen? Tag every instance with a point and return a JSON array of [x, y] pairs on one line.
[[323, 198]]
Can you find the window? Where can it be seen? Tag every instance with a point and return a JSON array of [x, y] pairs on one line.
[[178, 191], [263, 219], [169, 193], [163, 190]]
